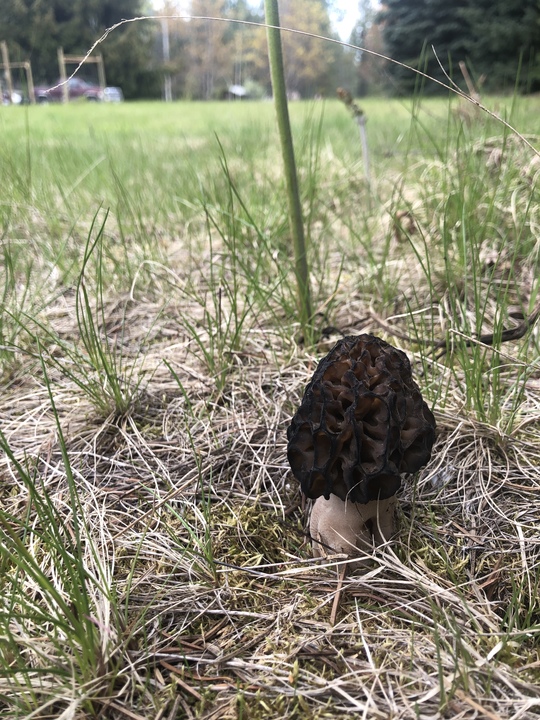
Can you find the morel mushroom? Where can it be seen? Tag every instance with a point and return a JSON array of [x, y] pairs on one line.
[[361, 424]]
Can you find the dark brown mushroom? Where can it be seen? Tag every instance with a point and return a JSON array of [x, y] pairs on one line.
[[361, 424]]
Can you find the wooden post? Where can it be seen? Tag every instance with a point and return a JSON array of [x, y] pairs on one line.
[[27, 68], [7, 68], [473, 92], [64, 60], [30, 82], [101, 71], [63, 76]]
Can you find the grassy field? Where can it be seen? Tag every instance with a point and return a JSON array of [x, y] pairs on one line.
[[154, 559]]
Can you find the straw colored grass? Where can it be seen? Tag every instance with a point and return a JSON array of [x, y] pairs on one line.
[[203, 598], [200, 526]]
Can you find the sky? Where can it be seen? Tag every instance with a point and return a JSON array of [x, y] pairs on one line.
[[343, 19], [348, 11]]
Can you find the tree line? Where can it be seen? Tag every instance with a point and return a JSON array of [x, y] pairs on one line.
[[498, 39], [34, 29], [204, 58]]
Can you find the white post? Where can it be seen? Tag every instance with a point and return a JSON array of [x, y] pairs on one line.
[[167, 83]]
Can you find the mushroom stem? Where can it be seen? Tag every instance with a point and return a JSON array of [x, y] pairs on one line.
[[338, 526]]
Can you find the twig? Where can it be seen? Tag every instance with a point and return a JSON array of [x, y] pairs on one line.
[[337, 596], [488, 338], [476, 706], [179, 681], [125, 711]]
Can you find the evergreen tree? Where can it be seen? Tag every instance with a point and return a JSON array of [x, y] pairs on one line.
[[412, 27], [492, 36], [504, 45]]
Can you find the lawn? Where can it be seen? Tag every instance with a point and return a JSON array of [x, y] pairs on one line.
[[154, 556]]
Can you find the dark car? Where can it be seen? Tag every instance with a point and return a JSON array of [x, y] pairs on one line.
[[77, 88]]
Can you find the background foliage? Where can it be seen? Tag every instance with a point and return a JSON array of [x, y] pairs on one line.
[[499, 41], [205, 57], [34, 29]]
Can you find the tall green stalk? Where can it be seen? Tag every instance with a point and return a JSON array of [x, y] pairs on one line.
[[275, 56]]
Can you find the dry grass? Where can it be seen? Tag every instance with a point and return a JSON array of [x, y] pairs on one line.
[[203, 596], [198, 526]]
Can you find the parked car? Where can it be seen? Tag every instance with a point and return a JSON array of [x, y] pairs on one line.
[[77, 88]]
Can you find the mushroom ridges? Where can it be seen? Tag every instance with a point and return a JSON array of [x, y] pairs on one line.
[[362, 422]]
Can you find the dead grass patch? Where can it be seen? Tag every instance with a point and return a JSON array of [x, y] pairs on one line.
[[225, 614]]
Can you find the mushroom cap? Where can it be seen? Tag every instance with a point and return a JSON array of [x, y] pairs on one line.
[[362, 422]]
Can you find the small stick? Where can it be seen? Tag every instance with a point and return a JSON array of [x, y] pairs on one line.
[[487, 339], [337, 596], [506, 335], [473, 92]]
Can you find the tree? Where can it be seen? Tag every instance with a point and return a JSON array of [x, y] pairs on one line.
[[492, 36], [506, 34], [207, 56], [241, 39], [129, 60], [34, 29], [209, 71], [410, 29], [311, 64], [220, 54], [177, 29], [371, 73]]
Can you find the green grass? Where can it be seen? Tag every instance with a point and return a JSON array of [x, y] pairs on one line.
[[153, 556]]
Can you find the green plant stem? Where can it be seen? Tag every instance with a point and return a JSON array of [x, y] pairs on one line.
[[275, 57]]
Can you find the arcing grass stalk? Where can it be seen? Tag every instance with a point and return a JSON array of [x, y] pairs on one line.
[[275, 57]]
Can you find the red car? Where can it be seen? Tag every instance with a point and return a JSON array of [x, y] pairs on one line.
[[77, 88]]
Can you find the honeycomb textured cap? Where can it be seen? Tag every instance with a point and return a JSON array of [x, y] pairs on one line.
[[362, 422]]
